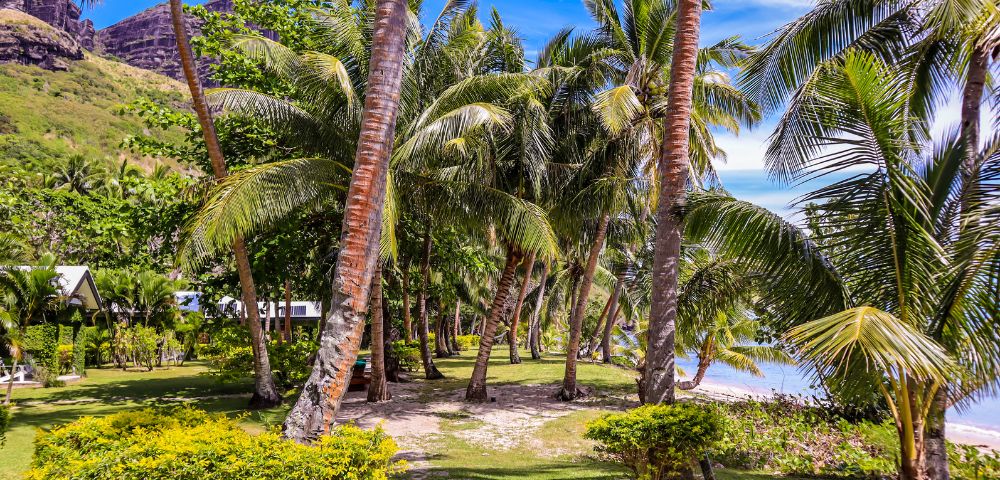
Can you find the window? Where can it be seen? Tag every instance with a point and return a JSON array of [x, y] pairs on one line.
[[299, 310]]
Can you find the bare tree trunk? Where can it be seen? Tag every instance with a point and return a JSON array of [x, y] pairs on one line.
[[476, 392], [268, 325], [529, 265], [703, 364], [615, 309], [936, 448], [673, 172], [407, 320], [430, 370], [378, 390], [972, 99], [569, 391], [390, 335], [288, 310], [456, 326], [316, 410], [441, 333], [10, 382], [265, 393], [598, 329], [535, 327]]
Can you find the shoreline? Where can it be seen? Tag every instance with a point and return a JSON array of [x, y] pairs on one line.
[[957, 432]]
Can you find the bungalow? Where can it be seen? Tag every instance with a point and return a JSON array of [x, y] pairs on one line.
[[303, 311], [76, 284]]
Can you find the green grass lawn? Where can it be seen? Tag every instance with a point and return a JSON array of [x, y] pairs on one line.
[[556, 451]]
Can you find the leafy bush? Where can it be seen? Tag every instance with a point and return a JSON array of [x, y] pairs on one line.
[[968, 463], [47, 377], [231, 359], [64, 359], [41, 343], [190, 444], [655, 441], [80, 350], [408, 354], [4, 422], [467, 342], [784, 435]]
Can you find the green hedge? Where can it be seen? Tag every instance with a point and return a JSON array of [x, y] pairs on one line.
[[4, 422], [190, 444], [656, 441]]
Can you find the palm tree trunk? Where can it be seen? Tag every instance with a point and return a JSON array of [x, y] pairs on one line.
[[265, 393], [407, 319], [529, 265], [316, 410], [703, 363], [441, 333], [456, 326], [569, 391], [378, 390], [935, 446], [535, 327], [288, 310], [598, 329], [673, 173], [606, 338], [10, 381], [430, 371], [972, 97], [476, 392]]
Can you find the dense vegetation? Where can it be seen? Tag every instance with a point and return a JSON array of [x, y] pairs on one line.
[[564, 203]]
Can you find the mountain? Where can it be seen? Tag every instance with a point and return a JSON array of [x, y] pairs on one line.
[[45, 116]]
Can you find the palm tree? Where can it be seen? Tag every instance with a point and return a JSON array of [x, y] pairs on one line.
[[13, 250], [378, 390], [265, 392], [316, 410], [902, 262], [26, 294], [76, 175]]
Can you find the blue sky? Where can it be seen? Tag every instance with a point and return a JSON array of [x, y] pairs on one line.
[[538, 20]]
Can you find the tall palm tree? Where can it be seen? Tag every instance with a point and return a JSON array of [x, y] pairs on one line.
[[265, 392], [673, 176], [316, 410], [907, 263]]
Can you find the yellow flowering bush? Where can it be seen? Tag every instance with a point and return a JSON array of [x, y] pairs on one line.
[[190, 444]]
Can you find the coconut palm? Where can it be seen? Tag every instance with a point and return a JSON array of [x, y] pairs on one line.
[[13, 250], [265, 392], [902, 265], [26, 295]]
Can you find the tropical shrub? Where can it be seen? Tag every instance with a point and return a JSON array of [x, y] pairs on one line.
[[656, 441], [408, 354], [41, 343], [64, 359], [969, 463], [190, 444], [80, 350], [784, 435], [231, 359], [4, 422], [467, 342], [47, 377]]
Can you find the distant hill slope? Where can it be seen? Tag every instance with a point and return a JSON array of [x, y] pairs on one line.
[[46, 116]]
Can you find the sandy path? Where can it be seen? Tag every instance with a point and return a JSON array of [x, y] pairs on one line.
[[516, 414]]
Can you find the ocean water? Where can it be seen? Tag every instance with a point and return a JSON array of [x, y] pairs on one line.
[[754, 186]]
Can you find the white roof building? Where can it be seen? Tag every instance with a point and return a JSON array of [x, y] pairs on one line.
[[76, 283]]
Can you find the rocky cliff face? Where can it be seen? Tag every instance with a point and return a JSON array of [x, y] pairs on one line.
[[27, 40], [147, 40], [61, 14]]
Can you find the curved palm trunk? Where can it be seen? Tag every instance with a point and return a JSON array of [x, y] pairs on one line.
[[407, 319], [430, 371], [598, 329], [972, 98], [703, 364], [456, 326], [316, 410], [535, 327], [529, 265], [265, 393], [378, 390], [673, 173], [569, 391], [441, 333], [606, 338], [476, 392]]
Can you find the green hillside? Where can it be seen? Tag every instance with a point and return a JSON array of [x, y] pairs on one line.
[[46, 116]]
